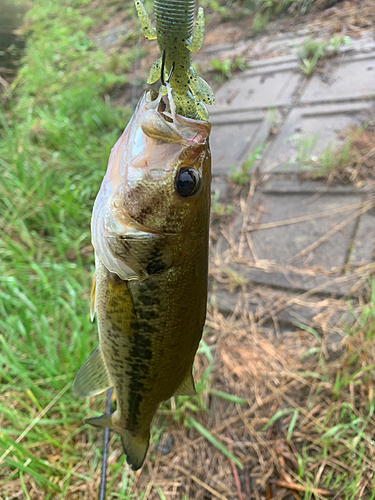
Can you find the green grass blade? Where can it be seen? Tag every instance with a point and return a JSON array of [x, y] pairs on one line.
[[229, 397], [207, 435]]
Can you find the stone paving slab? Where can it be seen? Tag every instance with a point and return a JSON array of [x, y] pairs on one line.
[[288, 184], [233, 136], [274, 64], [269, 258], [317, 284], [280, 244], [363, 248], [320, 257], [267, 87], [311, 311], [307, 132], [345, 79]]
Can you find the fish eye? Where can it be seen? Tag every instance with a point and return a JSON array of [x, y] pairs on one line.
[[188, 181]]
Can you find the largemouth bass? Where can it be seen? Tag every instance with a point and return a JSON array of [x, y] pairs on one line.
[[150, 235]]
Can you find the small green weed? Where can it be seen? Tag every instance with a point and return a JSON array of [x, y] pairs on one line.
[[333, 159], [310, 53], [218, 208], [272, 118], [330, 161], [313, 50], [337, 42], [215, 6], [243, 175], [305, 148], [227, 66], [260, 21]]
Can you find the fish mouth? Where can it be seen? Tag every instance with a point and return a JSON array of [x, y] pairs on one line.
[[169, 127]]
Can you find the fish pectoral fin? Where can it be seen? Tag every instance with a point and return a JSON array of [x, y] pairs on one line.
[[93, 377], [187, 387], [135, 447], [92, 298]]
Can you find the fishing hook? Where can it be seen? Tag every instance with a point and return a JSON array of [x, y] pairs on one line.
[[105, 450], [163, 82]]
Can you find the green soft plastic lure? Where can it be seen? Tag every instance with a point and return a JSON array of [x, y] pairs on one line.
[[177, 38]]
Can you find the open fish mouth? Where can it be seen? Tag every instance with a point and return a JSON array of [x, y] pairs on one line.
[[146, 189]]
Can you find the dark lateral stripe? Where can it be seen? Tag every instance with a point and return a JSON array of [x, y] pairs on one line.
[[140, 354], [140, 357]]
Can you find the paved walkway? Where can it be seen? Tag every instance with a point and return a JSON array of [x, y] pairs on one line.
[[292, 252]]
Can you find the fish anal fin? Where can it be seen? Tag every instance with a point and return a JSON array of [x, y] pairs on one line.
[[187, 387], [93, 377], [103, 421], [92, 298], [135, 447]]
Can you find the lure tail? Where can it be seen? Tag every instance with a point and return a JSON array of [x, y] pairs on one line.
[[135, 447], [178, 37]]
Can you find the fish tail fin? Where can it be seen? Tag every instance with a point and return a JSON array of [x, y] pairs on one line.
[[135, 447]]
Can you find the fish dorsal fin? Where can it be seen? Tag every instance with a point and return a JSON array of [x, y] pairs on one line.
[[93, 377], [187, 387], [92, 298]]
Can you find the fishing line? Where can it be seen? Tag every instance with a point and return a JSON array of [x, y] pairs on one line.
[[136, 61], [103, 479]]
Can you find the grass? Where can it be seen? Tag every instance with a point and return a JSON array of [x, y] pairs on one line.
[[243, 174], [312, 51], [345, 428], [305, 150], [262, 11], [260, 21], [57, 126], [351, 162], [226, 67], [218, 208]]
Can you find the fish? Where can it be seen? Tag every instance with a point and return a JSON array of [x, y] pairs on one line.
[[150, 235], [177, 38]]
